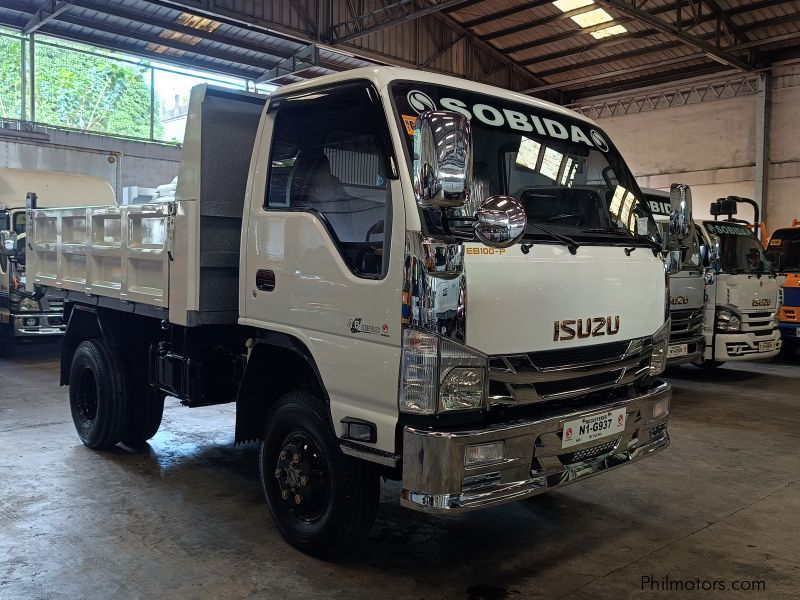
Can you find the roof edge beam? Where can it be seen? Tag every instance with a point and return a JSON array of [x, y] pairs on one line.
[[303, 59], [389, 15], [46, 12]]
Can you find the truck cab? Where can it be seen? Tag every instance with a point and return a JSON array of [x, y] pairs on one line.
[[686, 288], [24, 316], [390, 272], [783, 250], [741, 315]]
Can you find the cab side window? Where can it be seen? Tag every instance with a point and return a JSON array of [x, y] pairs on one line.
[[329, 157]]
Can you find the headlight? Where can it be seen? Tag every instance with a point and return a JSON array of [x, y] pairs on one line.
[[727, 321], [438, 375], [658, 357], [29, 305]]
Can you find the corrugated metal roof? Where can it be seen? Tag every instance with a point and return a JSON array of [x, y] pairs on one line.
[[553, 47], [137, 26], [550, 47]]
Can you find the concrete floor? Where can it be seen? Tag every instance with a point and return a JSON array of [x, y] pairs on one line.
[[185, 517]]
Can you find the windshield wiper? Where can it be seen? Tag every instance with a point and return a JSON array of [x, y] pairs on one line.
[[627, 233], [571, 244]]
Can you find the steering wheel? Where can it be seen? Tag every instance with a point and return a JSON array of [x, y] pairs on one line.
[[367, 246], [564, 216]]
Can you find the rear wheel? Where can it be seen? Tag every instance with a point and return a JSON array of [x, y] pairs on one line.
[[321, 501], [144, 419], [7, 343], [98, 394]]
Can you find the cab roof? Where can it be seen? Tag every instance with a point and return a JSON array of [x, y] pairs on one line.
[[382, 76]]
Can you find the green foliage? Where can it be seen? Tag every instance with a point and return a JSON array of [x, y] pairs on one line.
[[10, 78], [81, 91]]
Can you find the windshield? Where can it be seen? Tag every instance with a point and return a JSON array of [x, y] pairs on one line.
[[565, 172], [784, 250], [741, 252]]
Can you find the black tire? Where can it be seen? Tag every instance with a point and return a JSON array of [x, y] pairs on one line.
[[98, 394], [788, 349], [7, 343], [144, 419], [709, 364], [339, 498]]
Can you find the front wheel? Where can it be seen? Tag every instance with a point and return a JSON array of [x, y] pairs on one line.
[[7, 343], [709, 364], [789, 349], [321, 501]]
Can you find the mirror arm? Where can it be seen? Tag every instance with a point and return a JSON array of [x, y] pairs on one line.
[[447, 220]]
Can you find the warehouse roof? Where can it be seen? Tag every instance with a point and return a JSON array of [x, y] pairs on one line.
[[561, 49]]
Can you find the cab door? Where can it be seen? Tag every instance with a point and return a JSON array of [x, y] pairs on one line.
[[325, 243]]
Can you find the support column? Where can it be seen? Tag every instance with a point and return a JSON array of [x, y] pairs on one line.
[[763, 117]]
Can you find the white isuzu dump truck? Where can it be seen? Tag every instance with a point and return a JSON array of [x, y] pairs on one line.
[[391, 273], [686, 288]]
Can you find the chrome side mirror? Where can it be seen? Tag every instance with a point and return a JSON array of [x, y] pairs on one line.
[[8, 243], [442, 159], [501, 221], [680, 216], [715, 253]]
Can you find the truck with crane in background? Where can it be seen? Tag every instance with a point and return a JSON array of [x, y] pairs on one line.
[[742, 310]]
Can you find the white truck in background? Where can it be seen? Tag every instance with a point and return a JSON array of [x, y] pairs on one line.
[[686, 288], [742, 311], [390, 272], [24, 316]]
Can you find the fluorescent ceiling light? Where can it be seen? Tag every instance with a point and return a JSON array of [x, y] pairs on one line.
[[592, 18], [197, 22], [176, 36], [608, 32], [161, 49], [567, 5]]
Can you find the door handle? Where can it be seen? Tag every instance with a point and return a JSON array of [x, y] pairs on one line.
[[265, 280]]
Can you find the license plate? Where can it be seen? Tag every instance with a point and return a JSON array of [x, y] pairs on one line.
[[797, 331], [593, 427], [678, 350], [766, 346]]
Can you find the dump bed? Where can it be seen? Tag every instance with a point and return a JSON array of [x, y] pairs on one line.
[[178, 259]]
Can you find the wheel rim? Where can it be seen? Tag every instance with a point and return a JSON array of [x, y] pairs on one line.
[[87, 397], [301, 476]]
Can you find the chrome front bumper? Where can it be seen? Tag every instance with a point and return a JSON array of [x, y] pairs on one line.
[[38, 324], [742, 346], [436, 480]]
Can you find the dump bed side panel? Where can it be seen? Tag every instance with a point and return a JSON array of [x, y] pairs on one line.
[[119, 252]]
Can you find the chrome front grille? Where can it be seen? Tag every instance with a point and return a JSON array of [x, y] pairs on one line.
[[557, 374], [54, 304], [758, 322], [686, 324]]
